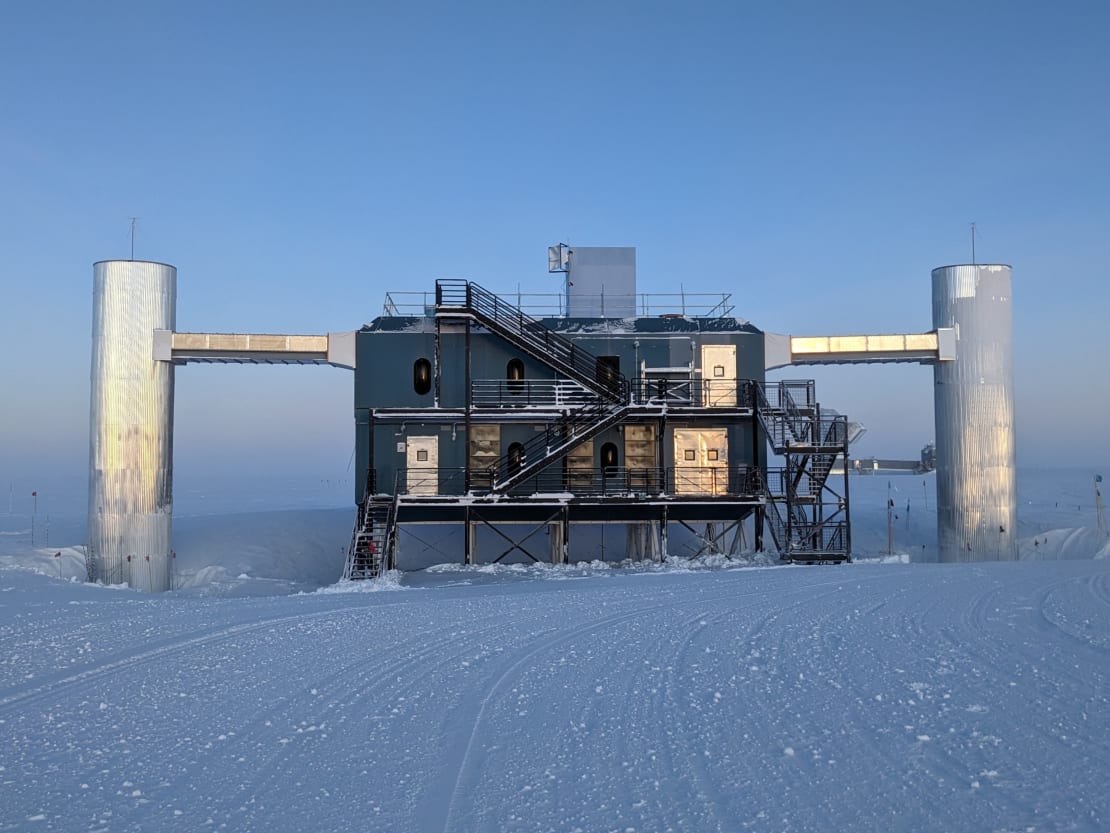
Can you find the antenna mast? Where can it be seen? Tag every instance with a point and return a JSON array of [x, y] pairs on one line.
[[973, 244], [133, 219]]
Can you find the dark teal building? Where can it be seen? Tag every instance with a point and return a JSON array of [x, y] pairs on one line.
[[485, 433]]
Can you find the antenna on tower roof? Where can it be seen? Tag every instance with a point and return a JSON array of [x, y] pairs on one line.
[[133, 220]]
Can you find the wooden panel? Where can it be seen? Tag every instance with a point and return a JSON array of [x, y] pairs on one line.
[[580, 466], [484, 452]]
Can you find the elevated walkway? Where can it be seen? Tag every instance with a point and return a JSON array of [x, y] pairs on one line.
[[335, 349], [925, 348]]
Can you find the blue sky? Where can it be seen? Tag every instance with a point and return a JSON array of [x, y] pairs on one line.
[[296, 161]]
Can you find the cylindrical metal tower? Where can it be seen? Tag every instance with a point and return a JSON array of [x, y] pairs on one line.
[[131, 425], [976, 482]]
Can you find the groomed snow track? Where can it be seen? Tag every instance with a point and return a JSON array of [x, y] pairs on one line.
[[874, 697]]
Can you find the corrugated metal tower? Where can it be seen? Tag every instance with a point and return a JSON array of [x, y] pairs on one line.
[[976, 482], [131, 425]]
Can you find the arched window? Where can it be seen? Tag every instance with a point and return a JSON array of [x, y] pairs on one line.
[[421, 376], [516, 457], [514, 373], [608, 456]]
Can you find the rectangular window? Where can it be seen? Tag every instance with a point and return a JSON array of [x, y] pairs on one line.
[[718, 371], [711, 454], [421, 456], [688, 454]]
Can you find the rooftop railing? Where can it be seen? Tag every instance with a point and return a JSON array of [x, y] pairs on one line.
[[554, 305]]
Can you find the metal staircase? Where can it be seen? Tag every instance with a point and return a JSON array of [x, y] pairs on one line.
[[559, 439], [808, 519], [464, 299], [458, 298], [374, 539]]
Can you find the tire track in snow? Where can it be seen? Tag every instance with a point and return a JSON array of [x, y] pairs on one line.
[[212, 766], [705, 777], [1100, 587], [464, 783], [59, 685], [707, 788], [463, 787], [1085, 641], [464, 761], [907, 730], [1016, 676], [354, 683]]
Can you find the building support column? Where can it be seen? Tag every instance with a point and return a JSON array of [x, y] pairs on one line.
[[663, 523], [974, 410], [470, 538], [556, 543], [131, 426]]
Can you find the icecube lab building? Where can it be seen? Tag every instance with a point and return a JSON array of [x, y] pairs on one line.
[[524, 418]]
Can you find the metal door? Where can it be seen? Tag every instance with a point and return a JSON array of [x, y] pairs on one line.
[[718, 373], [700, 461], [422, 463]]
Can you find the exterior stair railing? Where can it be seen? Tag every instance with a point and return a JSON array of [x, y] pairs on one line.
[[810, 443], [459, 297], [373, 542], [555, 442]]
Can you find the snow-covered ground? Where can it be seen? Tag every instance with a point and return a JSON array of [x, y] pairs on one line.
[[697, 696]]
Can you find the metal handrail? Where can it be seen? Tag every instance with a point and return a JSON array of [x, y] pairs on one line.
[[514, 393], [558, 438], [547, 345], [564, 393], [744, 480], [554, 305], [705, 393]]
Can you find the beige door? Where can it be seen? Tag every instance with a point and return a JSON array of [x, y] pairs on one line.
[[580, 468], [700, 461], [718, 373], [422, 462], [639, 457], [485, 449]]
